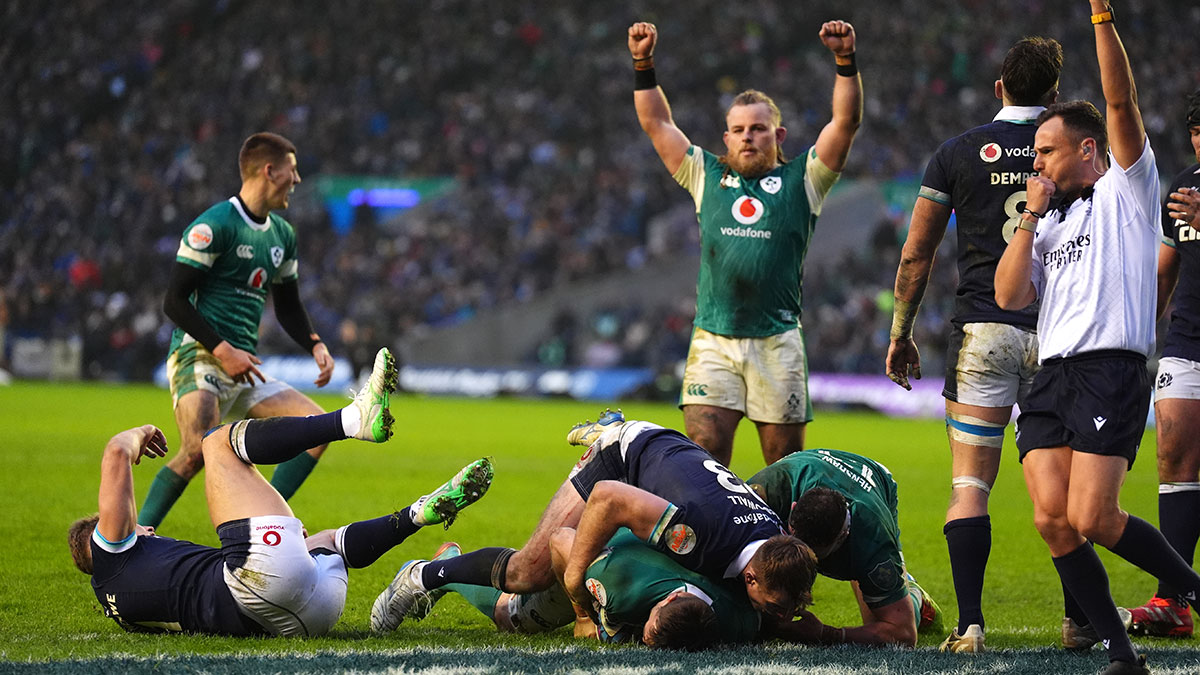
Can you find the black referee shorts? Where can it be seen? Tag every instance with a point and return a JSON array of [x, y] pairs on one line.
[[1094, 402]]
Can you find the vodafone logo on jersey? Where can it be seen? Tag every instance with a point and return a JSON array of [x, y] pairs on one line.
[[200, 237], [990, 152], [747, 210], [258, 278], [272, 538]]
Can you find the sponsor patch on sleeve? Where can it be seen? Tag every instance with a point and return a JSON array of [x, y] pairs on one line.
[[200, 236]]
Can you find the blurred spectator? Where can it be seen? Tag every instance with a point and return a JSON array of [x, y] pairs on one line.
[[115, 135]]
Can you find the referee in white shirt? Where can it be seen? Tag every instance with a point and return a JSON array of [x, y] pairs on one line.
[[1092, 263]]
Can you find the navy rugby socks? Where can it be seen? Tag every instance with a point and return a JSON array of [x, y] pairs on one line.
[[970, 543], [1179, 520], [1083, 575], [274, 440], [362, 543], [1146, 547], [469, 568]]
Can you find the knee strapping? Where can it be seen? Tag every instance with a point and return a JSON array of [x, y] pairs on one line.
[[237, 439], [974, 431], [500, 568], [971, 482]]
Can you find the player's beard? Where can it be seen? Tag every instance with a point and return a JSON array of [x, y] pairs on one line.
[[754, 166]]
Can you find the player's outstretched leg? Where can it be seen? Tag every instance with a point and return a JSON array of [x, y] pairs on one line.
[[368, 417], [587, 432], [405, 597]]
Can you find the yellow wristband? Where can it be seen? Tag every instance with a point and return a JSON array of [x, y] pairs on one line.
[[1102, 17]]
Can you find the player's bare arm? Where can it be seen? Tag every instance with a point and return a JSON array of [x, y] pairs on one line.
[[925, 232], [1014, 272], [1126, 134], [833, 143], [1168, 276], [653, 112], [561, 543], [324, 362], [118, 509], [612, 505]]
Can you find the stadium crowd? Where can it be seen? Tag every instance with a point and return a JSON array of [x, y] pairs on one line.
[[124, 131]]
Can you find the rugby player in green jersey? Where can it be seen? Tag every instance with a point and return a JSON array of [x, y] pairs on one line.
[[638, 594], [229, 259], [843, 505], [756, 212]]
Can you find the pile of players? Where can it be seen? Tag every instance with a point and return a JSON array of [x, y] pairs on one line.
[[1062, 277]]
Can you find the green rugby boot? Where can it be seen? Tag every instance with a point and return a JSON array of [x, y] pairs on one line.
[[465, 488], [375, 397]]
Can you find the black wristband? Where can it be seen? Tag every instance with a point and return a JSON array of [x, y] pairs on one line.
[[849, 69], [1033, 213], [644, 79]]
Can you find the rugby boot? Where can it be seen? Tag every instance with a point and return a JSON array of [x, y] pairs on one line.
[[448, 549], [1127, 668], [402, 597], [1162, 617], [373, 399], [1078, 638], [970, 642], [587, 432], [465, 488]]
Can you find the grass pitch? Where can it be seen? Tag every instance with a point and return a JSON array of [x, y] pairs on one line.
[[50, 620]]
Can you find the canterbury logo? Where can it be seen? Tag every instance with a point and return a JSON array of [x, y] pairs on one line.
[[1099, 421], [697, 390], [245, 251]]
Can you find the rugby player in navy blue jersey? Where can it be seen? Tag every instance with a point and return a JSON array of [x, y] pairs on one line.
[[268, 577], [1086, 247], [979, 175], [669, 491], [1177, 390]]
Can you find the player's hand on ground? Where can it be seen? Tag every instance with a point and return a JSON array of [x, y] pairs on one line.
[[240, 364], [838, 37], [1184, 204], [324, 361], [643, 37], [903, 360], [1038, 191]]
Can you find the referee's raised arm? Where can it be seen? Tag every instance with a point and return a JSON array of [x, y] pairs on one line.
[[1126, 134]]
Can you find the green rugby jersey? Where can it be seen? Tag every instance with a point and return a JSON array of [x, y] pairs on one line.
[[629, 577], [243, 259], [753, 237], [871, 553]]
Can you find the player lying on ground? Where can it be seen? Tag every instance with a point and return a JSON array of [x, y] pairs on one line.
[[663, 487], [844, 506], [637, 593], [267, 578]]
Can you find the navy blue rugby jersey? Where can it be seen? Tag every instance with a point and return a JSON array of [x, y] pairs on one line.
[[981, 174], [1183, 333], [717, 513], [167, 585]]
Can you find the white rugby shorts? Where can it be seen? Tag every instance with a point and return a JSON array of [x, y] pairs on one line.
[[192, 368], [990, 364], [766, 378], [1177, 378], [283, 587]]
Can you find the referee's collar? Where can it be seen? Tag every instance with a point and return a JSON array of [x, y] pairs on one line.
[[1019, 114]]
